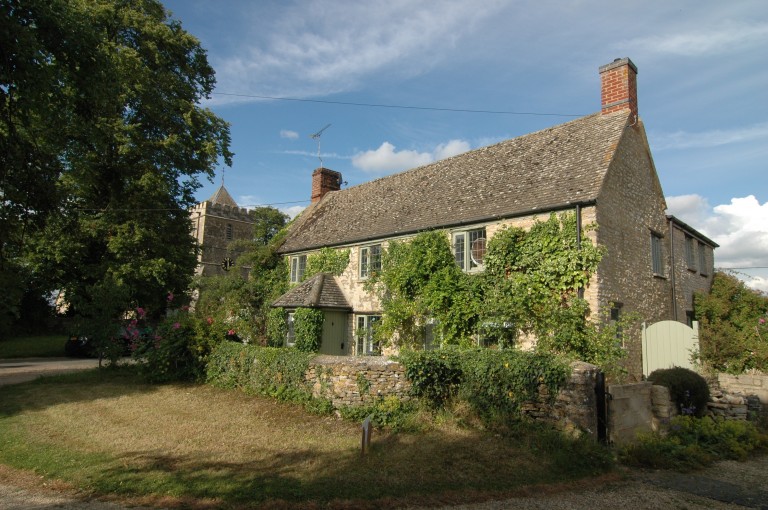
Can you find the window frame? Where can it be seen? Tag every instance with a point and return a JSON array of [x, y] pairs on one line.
[[369, 262], [657, 254], [298, 268], [229, 232], [365, 344], [464, 257], [703, 267], [690, 252], [290, 334]]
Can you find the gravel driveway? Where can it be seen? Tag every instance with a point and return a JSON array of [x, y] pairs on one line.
[[727, 485]]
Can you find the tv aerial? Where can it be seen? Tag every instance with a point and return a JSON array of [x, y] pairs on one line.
[[316, 136]]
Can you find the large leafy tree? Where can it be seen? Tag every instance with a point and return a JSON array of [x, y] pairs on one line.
[[103, 142], [734, 325]]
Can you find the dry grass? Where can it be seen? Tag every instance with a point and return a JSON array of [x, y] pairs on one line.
[[196, 446]]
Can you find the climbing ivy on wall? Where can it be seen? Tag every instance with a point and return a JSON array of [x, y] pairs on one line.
[[529, 285], [327, 260], [421, 282], [308, 327]]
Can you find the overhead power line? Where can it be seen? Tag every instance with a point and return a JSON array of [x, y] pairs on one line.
[[402, 107]]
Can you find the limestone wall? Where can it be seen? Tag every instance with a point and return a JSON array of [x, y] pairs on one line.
[[737, 395], [356, 381]]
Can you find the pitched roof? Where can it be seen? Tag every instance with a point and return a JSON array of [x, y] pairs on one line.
[[222, 197], [320, 291], [541, 171]]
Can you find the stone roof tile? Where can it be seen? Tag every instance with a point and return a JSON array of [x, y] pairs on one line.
[[320, 291], [541, 171]]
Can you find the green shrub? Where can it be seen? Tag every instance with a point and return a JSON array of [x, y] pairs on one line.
[[690, 442], [308, 327], [688, 390], [495, 383], [277, 327], [498, 383], [434, 375], [177, 349], [268, 371]]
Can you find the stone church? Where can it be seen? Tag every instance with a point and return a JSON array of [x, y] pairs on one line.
[[216, 223]]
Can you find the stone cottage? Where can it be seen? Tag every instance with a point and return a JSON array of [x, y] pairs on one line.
[[599, 167]]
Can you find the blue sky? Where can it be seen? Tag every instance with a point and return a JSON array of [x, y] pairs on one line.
[[702, 89]]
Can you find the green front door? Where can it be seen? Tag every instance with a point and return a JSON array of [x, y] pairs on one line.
[[335, 334]]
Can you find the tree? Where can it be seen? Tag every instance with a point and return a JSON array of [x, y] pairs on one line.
[[732, 317], [103, 143], [267, 222]]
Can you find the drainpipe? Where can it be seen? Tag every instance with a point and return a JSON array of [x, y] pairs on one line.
[[580, 290], [672, 268]]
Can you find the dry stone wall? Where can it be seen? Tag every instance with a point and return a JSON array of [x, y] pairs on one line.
[[357, 381]]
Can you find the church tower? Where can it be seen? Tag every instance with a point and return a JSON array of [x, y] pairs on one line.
[[216, 223]]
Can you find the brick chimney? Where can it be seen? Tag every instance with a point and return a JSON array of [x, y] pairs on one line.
[[323, 181], [618, 86]]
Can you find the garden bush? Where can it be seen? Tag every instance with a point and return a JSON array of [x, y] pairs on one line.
[[687, 389], [268, 371], [308, 327], [495, 383], [689, 442]]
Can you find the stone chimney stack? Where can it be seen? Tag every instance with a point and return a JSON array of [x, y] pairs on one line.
[[618, 86], [323, 181]]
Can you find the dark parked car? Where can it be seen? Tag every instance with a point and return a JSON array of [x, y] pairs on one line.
[[83, 346]]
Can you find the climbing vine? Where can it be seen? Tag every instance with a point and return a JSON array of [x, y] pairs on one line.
[[327, 260], [529, 285], [277, 327], [308, 327]]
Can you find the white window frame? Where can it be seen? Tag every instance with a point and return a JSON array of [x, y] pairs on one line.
[[298, 268], [370, 260], [657, 254], [465, 254], [365, 343]]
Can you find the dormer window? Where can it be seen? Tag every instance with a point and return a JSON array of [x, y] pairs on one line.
[[469, 249]]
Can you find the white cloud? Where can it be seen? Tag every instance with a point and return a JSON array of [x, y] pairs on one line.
[[684, 140], [452, 148], [292, 211], [319, 48], [387, 159], [726, 38], [290, 135], [739, 227]]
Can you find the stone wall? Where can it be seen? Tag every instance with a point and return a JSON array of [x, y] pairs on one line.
[[745, 394], [357, 381], [630, 411], [575, 407]]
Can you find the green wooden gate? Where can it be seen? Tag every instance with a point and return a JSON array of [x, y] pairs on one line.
[[669, 344]]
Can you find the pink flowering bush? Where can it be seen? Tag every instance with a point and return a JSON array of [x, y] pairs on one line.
[[179, 346]]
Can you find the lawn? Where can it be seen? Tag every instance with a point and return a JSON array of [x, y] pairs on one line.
[[107, 433], [40, 346]]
